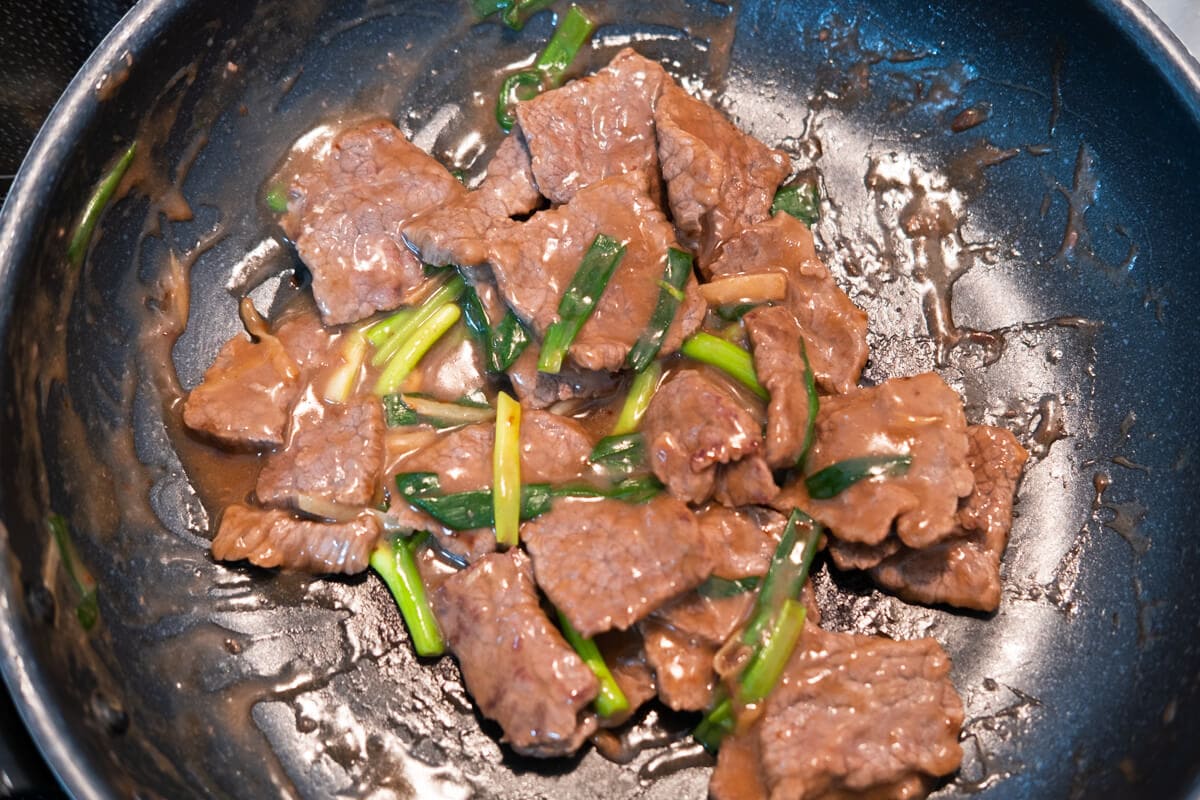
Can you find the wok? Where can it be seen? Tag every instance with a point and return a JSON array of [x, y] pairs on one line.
[[1072, 257]]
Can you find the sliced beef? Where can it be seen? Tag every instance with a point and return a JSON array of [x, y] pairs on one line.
[[737, 776], [515, 663], [346, 211], [683, 667], [776, 339], [920, 416], [964, 570], [452, 369], [540, 390], [244, 398], [554, 449], [595, 127], [456, 233], [746, 482], [692, 424], [606, 563], [624, 653], [334, 453], [835, 330], [852, 716], [535, 261], [719, 180], [306, 340], [275, 538], [741, 542]]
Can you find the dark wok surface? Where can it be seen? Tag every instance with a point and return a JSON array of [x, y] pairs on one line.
[[205, 680]]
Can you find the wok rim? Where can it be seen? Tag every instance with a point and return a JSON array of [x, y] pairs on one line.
[[73, 115]]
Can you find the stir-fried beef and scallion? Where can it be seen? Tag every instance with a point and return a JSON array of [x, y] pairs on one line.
[[594, 420]]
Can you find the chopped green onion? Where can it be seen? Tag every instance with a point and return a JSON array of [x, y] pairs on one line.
[[631, 490], [413, 350], [579, 300], [621, 454], [343, 380], [380, 331], [786, 575], [101, 195], [641, 391], [766, 665], [397, 565], [464, 511], [509, 340], [716, 725], [573, 30], [734, 313], [506, 471], [87, 610], [718, 588], [523, 85], [836, 478], [485, 8], [670, 295], [726, 356], [611, 700], [814, 406], [415, 409], [518, 12], [802, 201], [398, 335], [474, 314], [277, 199]]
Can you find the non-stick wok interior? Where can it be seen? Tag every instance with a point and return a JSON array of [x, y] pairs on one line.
[[1072, 249]]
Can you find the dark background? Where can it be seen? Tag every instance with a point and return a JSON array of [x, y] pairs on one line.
[[42, 44]]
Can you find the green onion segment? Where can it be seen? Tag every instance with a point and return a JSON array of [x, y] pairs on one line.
[[610, 700], [579, 300], [87, 610], [836, 478], [395, 562], [410, 353], [101, 196], [670, 295], [548, 70], [802, 201], [506, 471], [641, 391], [725, 356]]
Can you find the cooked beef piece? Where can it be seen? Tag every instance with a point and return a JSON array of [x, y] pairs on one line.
[[776, 339], [920, 416], [747, 482], [606, 563], [456, 233], [835, 330], [856, 555], [334, 453], [719, 180], [534, 263], [853, 716], [964, 570], [741, 542], [595, 127], [509, 189], [683, 667], [275, 538], [624, 653], [346, 211], [692, 424], [306, 340], [737, 776], [554, 449], [540, 390], [708, 619], [245, 395], [515, 663]]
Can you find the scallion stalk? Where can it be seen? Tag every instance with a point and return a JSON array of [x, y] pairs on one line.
[[814, 406], [506, 471], [547, 73], [518, 12], [580, 300], [802, 201], [380, 331], [343, 379], [397, 565], [485, 8], [670, 295], [786, 575], [641, 391], [101, 196], [716, 725], [523, 85], [414, 349], [610, 700], [445, 294], [836, 478], [766, 665], [620, 454], [87, 610], [725, 356]]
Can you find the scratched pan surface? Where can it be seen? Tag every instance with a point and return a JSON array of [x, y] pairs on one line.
[[1012, 194]]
